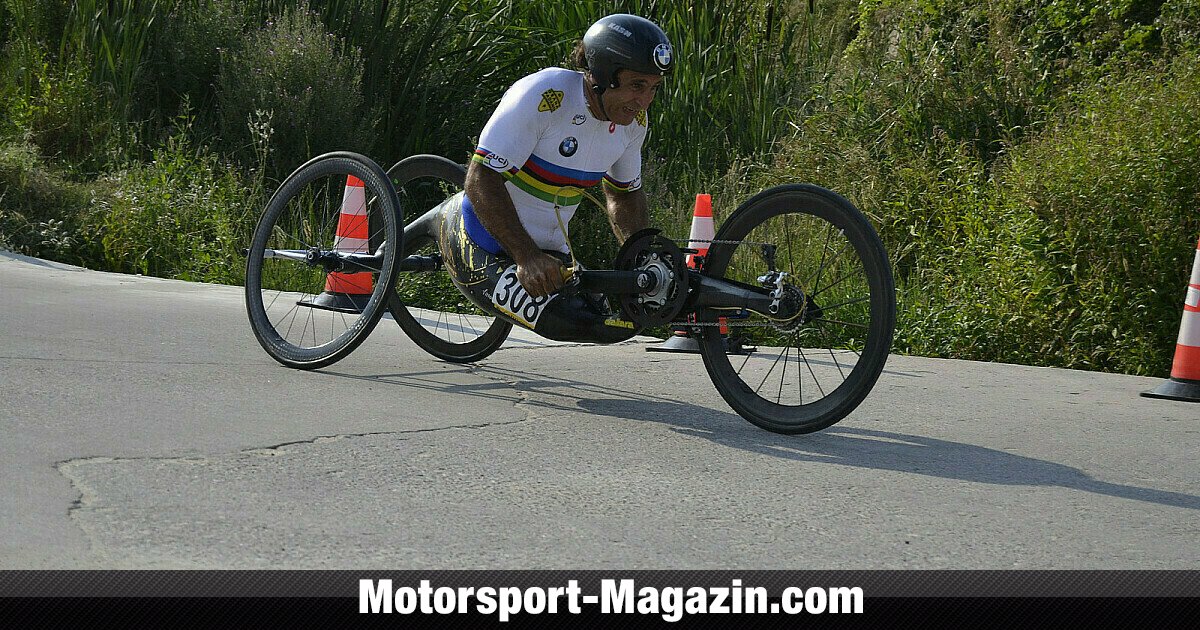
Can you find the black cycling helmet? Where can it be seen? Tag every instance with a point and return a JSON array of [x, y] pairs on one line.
[[629, 42]]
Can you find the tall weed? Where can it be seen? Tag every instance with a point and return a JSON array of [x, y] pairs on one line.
[[187, 57], [1117, 186], [185, 215], [116, 37], [305, 82]]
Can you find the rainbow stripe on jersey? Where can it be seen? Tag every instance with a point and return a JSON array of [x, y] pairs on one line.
[[547, 181], [618, 186]]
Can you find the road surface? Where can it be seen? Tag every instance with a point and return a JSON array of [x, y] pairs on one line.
[[145, 428]]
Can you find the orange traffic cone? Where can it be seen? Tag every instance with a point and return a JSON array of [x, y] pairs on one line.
[[349, 292], [703, 231], [1184, 383]]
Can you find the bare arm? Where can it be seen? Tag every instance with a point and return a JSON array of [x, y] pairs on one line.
[[628, 212], [537, 271]]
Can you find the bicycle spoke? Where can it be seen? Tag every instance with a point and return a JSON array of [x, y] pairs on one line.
[[799, 377], [787, 350], [835, 283], [768, 374], [846, 303], [841, 323], [744, 361], [836, 364], [810, 371], [824, 249]]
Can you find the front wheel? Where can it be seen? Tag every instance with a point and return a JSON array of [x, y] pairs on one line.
[[426, 304], [321, 264], [822, 351]]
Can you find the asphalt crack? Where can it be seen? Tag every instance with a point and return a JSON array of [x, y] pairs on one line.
[[88, 498]]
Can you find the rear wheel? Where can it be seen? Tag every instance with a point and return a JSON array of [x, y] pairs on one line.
[[426, 304], [307, 306], [831, 272]]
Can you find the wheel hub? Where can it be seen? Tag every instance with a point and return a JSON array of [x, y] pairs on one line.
[[790, 306], [648, 251]]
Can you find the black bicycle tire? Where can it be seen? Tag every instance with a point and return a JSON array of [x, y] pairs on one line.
[[324, 355], [482, 346], [830, 409]]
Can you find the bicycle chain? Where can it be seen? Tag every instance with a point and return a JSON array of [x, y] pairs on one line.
[[720, 242], [727, 324], [689, 241]]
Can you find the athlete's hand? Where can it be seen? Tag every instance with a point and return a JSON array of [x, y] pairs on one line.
[[541, 274]]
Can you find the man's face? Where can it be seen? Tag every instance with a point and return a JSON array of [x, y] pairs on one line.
[[634, 95]]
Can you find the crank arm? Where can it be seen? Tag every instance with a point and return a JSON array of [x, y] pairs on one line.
[[617, 282]]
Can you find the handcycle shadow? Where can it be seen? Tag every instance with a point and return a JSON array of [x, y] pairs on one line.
[[882, 450], [842, 445]]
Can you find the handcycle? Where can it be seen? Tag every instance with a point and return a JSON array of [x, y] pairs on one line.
[[796, 271]]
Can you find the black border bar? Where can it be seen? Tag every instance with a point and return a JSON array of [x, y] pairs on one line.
[[345, 583]]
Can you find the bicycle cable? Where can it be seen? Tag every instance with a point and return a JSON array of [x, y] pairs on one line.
[[563, 227]]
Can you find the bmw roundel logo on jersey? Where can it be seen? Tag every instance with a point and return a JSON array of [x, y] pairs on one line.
[[662, 56], [569, 146]]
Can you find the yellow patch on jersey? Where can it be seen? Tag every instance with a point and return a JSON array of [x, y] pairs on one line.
[[551, 101], [641, 118]]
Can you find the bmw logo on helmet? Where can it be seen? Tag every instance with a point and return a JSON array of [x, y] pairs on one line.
[[662, 56]]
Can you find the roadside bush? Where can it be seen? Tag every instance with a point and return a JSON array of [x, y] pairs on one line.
[[56, 109], [294, 90], [188, 60], [1180, 24], [183, 215], [1054, 243], [1116, 185], [40, 211]]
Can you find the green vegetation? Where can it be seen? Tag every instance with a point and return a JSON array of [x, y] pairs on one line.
[[1031, 166]]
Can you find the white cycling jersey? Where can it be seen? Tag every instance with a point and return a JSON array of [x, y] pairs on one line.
[[547, 144]]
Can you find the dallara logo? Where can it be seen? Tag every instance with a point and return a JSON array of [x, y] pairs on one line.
[[551, 100]]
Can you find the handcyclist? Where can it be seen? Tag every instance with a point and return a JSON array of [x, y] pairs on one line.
[[555, 133]]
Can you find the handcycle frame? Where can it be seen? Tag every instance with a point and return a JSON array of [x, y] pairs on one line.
[[703, 291], [703, 296]]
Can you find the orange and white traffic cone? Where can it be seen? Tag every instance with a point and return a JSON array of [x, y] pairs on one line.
[[703, 231], [349, 292], [1184, 383]]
